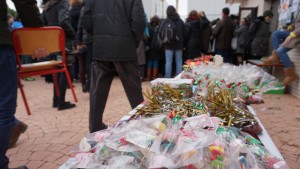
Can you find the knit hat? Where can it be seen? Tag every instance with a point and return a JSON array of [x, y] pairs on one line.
[[268, 13]]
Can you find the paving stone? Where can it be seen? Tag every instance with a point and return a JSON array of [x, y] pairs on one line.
[[39, 155], [12, 151], [21, 156], [34, 164], [53, 157], [15, 164], [48, 165], [41, 147]]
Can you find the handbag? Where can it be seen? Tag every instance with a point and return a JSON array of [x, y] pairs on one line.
[[234, 43]]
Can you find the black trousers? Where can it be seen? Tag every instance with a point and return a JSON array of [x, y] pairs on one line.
[[62, 86], [102, 74]]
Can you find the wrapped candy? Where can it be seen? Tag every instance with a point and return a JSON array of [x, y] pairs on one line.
[[190, 143]]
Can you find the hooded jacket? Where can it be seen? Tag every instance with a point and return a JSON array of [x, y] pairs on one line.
[[260, 31], [28, 12], [178, 45], [117, 27], [56, 13]]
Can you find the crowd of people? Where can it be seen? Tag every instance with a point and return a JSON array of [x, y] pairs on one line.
[[117, 38]]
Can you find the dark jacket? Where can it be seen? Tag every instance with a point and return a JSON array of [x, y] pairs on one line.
[[223, 32], [178, 45], [206, 34], [193, 33], [260, 32], [56, 13], [74, 16], [242, 34], [152, 53], [117, 27], [82, 36], [28, 12]]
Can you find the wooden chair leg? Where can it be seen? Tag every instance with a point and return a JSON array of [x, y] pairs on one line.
[[70, 84], [24, 97], [56, 84]]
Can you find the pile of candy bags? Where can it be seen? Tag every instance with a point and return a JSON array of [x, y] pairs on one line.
[[158, 142], [247, 81]]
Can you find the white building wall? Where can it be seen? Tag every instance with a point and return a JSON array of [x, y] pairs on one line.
[[212, 8], [261, 4]]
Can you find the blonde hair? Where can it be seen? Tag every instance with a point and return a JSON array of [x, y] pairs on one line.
[[75, 2], [201, 14]]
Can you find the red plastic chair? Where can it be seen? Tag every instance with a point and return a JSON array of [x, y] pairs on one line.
[[52, 39]]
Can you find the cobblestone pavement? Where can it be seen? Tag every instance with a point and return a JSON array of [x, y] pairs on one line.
[[52, 134]]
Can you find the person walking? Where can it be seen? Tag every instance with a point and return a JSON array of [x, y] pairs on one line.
[[9, 126], [223, 34], [172, 26], [56, 13], [114, 50]]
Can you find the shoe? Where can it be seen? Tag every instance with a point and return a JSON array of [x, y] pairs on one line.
[[55, 104], [273, 59], [85, 89], [29, 79], [17, 130], [22, 167], [66, 105], [290, 75]]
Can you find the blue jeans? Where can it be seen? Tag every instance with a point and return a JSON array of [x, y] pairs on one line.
[[225, 55], [284, 57], [8, 97], [169, 62], [278, 37]]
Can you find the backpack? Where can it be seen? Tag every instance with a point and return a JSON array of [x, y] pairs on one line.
[[156, 42], [169, 33]]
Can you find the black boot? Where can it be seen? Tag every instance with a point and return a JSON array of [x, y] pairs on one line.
[[65, 105]]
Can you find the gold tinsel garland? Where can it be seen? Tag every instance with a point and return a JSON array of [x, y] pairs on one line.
[[166, 100]]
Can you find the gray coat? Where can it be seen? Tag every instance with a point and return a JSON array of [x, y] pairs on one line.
[[260, 30], [295, 42], [242, 34], [117, 27]]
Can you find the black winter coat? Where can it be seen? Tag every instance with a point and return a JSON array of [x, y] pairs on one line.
[[153, 53], [28, 12], [74, 15], [260, 31], [117, 27], [56, 13], [178, 45], [193, 32], [82, 36], [206, 34]]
